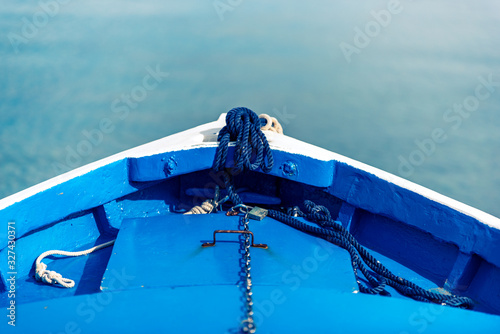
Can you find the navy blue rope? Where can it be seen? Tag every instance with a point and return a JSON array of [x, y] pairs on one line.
[[252, 148], [361, 259], [252, 151]]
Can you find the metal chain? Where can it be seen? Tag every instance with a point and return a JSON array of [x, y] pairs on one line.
[[248, 325]]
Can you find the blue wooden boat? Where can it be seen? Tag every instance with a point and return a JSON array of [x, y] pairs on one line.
[[290, 238]]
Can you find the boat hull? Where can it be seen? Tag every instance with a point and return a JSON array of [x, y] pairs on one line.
[[157, 276]]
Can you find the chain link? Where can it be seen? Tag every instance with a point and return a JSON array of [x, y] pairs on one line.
[[248, 325]]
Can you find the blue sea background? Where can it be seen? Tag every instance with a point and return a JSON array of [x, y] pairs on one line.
[[65, 66]]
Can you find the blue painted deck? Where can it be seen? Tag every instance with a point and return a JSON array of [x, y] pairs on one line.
[[166, 251], [308, 310], [157, 274]]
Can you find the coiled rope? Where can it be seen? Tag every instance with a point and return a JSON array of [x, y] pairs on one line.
[[272, 124], [362, 260], [51, 277], [252, 151]]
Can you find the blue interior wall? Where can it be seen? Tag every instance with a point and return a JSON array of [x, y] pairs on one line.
[[485, 286], [429, 237], [412, 247]]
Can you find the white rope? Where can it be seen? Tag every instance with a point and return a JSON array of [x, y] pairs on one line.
[[204, 208], [51, 277], [272, 124]]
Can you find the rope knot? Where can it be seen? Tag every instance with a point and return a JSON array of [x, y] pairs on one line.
[[51, 277], [363, 263], [241, 118], [318, 213], [41, 272], [252, 147], [294, 212], [378, 287]]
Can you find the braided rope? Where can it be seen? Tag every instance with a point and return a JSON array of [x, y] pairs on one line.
[[362, 260], [204, 208], [252, 148], [272, 124], [52, 277]]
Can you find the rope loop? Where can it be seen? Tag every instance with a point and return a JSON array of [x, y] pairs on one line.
[[51, 277], [272, 124], [318, 213], [252, 148], [377, 289], [294, 212], [252, 152], [363, 263]]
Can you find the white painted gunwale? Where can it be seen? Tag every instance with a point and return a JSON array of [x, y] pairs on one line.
[[206, 136]]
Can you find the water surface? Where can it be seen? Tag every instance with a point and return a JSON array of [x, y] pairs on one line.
[[382, 96]]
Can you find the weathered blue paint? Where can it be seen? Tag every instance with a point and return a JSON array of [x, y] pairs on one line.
[[438, 241], [246, 196], [484, 286], [216, 309], [115, 180], [166, 165], [289, 169], [404, 244], [155, 240], [347, 215], [71, 234], [153, 201], [366, 191], [463, 272], [87, 271], [152, 168], [417, 238], [76, 195]]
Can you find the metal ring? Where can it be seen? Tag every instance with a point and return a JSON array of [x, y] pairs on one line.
[[242, 208]]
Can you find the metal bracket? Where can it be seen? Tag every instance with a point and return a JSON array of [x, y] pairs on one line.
[[210, 244]]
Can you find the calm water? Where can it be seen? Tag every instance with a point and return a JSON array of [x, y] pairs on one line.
[[372, 81]]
